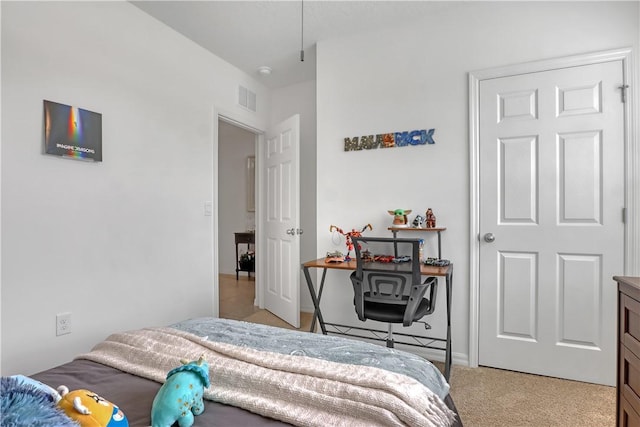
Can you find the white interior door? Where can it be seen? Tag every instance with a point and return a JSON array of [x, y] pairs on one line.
[[551, 150], [282, 222]]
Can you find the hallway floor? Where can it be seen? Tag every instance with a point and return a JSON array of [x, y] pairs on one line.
[[236, 302]]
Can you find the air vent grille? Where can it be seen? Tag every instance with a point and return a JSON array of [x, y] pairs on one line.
[[247, 98]]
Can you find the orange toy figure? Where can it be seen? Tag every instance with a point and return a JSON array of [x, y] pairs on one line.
[[348, 236], [90, 410], [430, 219]]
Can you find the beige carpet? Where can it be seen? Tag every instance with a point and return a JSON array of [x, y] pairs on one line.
[[487, 397]]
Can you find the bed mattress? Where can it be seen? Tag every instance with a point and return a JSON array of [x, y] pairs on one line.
[[134, 394]]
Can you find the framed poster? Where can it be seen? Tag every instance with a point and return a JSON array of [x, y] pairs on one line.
[[72, 132]]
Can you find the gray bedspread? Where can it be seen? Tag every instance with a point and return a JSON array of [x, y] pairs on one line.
[[335, 349]]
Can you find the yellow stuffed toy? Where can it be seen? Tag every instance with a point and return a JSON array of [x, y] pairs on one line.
[[89, 409]]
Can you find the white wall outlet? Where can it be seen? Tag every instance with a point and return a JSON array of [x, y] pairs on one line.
[[63, 324]]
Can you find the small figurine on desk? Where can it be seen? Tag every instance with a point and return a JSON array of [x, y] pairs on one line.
[[418, 222], [400, 217], [437, 262], [335, 256], [348, 236], [366, 255], [431, 219]]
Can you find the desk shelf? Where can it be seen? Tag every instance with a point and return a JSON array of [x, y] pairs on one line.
[[396, 229]]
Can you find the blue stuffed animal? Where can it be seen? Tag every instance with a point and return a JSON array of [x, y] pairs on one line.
[[180, 397]]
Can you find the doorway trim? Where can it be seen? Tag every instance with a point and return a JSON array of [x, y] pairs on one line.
[[631, 176], [221, 115]]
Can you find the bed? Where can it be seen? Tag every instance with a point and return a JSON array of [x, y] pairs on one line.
[[264, 376]]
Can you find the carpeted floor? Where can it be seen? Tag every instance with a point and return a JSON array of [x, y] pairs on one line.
[[485, 397]]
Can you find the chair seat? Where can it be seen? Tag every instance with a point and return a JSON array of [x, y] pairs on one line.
[[393, 313]]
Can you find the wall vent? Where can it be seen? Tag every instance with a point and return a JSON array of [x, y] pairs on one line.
[[246, 98]]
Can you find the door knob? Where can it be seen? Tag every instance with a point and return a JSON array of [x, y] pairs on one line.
[[299, 231], [489, 238], [291, 231]]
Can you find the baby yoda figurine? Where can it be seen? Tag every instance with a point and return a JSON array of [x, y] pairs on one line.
[[400, 217], [180, 397]]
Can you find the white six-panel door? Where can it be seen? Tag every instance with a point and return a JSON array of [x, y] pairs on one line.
[[551, 149], [282, 255]]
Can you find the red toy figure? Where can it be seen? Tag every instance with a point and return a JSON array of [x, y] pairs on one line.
[[348, 236], [430, 219]]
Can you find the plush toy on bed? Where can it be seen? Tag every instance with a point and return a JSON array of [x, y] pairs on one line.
[[25, 402], [180, 397], [89, 409]]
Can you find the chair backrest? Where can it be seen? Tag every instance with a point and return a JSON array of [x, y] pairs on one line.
[[386, 288], [395, 284]]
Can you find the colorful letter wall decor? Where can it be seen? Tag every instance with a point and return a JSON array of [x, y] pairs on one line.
[[389, 140]]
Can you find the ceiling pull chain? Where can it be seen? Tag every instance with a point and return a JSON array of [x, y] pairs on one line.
[[302, 32]]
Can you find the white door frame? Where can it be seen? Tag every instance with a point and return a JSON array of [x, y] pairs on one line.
[[227, 117], [632, 163]]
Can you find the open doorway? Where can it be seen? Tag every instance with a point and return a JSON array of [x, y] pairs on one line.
[[275, 286], [236, 221]]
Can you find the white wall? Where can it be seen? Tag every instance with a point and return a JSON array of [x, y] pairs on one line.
[[416, 78], [123, 243], [234, 146], [285, 102]]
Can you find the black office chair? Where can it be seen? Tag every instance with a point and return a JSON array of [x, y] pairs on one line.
[[392, 292]]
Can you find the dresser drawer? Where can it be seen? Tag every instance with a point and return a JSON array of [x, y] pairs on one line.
[[629, 380], [627, 416], [630, 323]]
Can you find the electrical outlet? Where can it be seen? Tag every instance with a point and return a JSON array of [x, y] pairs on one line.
[[63, 324]]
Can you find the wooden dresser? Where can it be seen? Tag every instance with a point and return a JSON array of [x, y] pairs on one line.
[[628, 387]]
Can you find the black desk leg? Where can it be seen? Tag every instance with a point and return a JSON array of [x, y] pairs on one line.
[[447, 358], [316, 299]]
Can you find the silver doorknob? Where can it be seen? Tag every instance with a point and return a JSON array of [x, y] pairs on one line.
[[291, 231], [489, 238], [299, 231]]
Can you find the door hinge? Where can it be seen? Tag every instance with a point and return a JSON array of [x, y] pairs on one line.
[[623, 92], [624, 215]]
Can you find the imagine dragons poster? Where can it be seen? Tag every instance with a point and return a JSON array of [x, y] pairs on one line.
[[72, 132]]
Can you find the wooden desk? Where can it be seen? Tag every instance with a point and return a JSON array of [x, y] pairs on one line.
[[426, 270], [241, 238]]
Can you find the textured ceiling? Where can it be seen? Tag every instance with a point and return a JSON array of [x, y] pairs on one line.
[[250, 34]]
